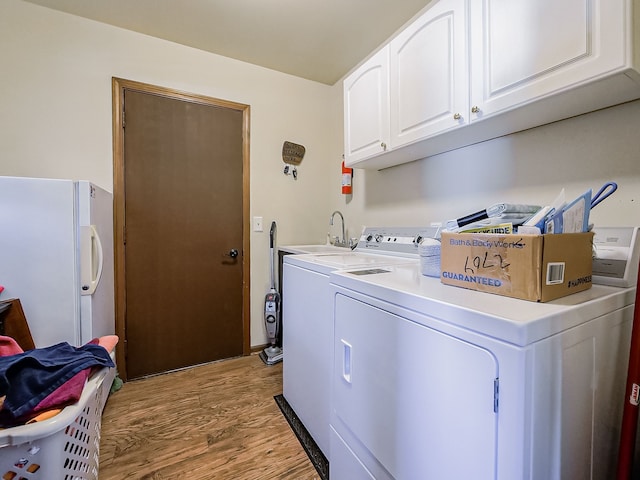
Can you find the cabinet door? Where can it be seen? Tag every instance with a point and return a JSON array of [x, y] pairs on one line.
[[428, 78], [366, 109], [522, 50], [417, 400]]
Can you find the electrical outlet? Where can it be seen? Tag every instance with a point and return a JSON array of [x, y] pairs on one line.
[[257, 224]]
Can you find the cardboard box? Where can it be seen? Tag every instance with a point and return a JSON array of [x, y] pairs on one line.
[[530, 267]]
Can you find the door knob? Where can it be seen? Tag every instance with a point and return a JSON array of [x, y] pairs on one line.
[[233, 253]]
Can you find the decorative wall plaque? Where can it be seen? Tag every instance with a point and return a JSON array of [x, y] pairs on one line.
[[292, 153]]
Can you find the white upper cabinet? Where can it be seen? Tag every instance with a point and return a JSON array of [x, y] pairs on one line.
[[429, 80], [522, 50], [466, 71], [366, 109]]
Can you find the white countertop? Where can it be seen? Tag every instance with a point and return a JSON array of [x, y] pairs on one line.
[[315, 249]]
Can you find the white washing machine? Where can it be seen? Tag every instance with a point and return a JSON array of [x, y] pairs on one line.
[[438, 382], [308, 318]]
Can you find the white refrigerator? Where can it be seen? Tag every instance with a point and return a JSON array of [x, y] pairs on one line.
[[56, 256]]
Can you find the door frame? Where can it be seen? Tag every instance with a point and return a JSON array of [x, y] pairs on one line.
[[119, 86]]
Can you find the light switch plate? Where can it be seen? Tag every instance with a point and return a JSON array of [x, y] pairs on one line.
[[257, 224]]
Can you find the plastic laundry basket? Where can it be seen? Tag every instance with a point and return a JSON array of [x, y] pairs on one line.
[[65, 447]]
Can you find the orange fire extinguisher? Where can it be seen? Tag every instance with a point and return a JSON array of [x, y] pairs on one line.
[[347, 175]]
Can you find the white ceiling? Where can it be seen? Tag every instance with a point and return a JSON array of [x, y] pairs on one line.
[[319, 40]]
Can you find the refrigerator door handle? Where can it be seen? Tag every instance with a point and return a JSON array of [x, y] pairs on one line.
[[91, 260]]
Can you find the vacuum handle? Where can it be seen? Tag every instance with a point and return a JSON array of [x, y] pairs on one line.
[[272, 233]]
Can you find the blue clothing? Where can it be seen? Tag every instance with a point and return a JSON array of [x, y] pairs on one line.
[[28, 378]]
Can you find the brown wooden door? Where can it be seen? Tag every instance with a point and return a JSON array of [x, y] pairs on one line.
[[183, 221]]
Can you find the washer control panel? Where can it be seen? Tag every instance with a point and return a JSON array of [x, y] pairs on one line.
[[395, 240]]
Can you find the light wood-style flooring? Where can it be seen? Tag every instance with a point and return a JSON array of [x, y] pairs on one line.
[[215, 421]]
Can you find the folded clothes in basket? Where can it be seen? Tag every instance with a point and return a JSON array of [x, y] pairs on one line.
[[27, 379]]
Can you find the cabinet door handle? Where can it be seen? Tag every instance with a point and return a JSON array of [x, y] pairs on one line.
[[475, 109], [384, 146], [457, 116]]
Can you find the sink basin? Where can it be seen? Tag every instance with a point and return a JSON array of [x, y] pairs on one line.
[[314, 249]]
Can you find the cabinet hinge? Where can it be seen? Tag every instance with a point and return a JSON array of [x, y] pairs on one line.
[[124, 121], [496, 392]]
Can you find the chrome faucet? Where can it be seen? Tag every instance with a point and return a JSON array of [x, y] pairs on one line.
[[340, 242]]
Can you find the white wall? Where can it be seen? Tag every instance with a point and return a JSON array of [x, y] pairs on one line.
[[56, 117], [527, 167]]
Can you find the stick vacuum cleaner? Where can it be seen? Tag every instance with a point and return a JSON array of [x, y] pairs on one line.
[[272, 354]]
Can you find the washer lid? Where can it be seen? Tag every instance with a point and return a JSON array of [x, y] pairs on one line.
[[325, 263]]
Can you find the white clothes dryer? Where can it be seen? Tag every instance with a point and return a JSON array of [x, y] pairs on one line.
[[438, 382]]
